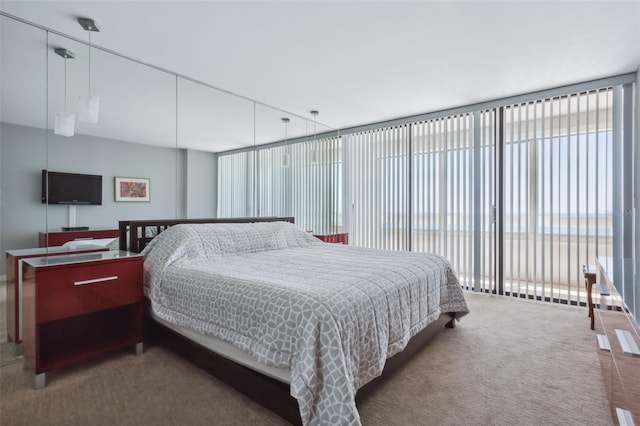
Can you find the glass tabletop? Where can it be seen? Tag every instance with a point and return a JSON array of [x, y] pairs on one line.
[[38, 262]]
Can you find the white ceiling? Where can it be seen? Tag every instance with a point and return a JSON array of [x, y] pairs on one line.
[[357, 62]]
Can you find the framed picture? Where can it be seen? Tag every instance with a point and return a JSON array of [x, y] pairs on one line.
[[132, 189]]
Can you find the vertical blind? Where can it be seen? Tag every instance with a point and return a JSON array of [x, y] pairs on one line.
[[316, 185], [426, 186], [274, 188], [236, 184], [557, 194], [432, 186], [306, 185], [453, 193], [376, 188]]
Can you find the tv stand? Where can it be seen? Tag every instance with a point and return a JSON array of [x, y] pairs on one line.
[[75, 228]]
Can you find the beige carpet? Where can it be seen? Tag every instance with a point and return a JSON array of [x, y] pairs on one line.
[[510, 362]]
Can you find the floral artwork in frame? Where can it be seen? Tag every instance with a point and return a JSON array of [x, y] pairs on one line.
[[132, 189]]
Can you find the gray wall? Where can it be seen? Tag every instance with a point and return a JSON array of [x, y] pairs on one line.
[[24, 153]]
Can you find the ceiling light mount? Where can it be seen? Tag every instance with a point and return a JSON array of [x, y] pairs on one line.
[[66, 54], [88, 24], [314, 112], [88, 105]]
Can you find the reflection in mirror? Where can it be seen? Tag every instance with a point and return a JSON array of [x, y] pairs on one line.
[[212, 120], [276, 163], [317, 180], [23, 51], [134, 139], [293, 171], [209, 121], [161, 136]]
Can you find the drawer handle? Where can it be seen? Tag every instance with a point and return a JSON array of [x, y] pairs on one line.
[[96, 280]]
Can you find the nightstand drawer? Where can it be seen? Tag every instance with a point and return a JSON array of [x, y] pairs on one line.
[[85, 288]]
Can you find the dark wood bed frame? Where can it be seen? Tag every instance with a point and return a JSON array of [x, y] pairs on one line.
[[270, 393]]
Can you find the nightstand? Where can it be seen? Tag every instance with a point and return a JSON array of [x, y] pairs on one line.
[[334, 238], [79, 306], [14, 280], [58, 238]]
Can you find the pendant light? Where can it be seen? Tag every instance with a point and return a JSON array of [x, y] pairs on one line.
[[286, 160], [314, 151], [88, 104], [65, 121]]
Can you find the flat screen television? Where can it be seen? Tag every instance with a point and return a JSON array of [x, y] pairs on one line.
[[71, 188]]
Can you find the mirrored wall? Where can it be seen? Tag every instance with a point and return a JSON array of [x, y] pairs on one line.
[[298, 176], [154, 128], [133, 138], [23, 145]]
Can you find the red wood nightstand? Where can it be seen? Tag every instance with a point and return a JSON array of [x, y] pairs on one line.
[[80, 306], [334, 238], [58, 238]]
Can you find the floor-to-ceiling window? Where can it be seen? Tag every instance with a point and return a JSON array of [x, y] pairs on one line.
[[558, 192], [452, 178], [517, 195]]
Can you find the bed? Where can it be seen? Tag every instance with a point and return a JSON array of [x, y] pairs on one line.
[[298, 324]]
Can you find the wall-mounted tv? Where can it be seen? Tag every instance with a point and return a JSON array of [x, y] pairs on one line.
[[71, 188]]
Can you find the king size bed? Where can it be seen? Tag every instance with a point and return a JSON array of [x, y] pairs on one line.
[[297, 324]]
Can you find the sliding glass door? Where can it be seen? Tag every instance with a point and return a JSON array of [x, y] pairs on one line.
[[453, 192], [429, 187], [557, 193]]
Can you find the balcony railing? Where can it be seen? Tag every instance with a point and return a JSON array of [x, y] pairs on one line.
[[543, 261]]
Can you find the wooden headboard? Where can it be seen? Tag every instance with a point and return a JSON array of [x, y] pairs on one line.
[[134, 235]]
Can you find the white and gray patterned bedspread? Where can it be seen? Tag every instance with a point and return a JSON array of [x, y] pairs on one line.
[[331, 314]]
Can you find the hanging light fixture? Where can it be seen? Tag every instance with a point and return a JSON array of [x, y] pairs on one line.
[[65, 121], [286, 160], [314, 151], [88, 104]]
